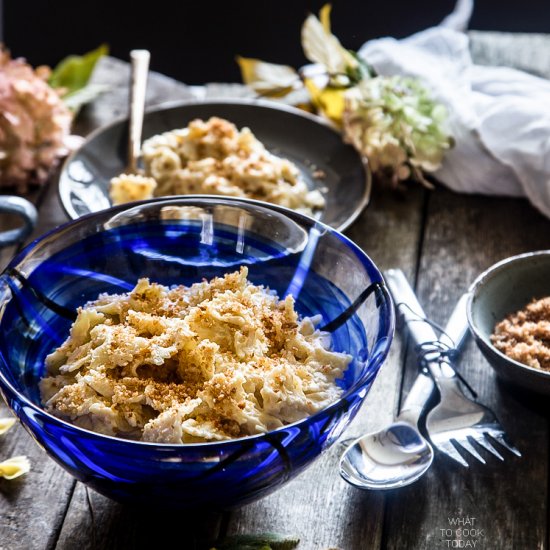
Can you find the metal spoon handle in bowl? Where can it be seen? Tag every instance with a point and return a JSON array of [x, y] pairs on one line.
[[138, 86]]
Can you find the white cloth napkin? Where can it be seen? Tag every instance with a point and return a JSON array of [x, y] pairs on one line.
[[499, 117]]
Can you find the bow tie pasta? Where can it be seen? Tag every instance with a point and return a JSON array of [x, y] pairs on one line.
[[217, 360]]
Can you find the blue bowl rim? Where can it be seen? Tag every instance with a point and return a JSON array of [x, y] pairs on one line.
[[342, 402], [474, 291]]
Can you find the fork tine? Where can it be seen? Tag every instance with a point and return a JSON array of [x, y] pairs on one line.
[[501, 438], [467, 446], [481, 440], [446, 447]]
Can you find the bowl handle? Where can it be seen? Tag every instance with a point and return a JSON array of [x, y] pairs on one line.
[[23, 209]]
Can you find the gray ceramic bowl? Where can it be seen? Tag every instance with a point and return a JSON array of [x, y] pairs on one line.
[[505, 288], [305, 139]]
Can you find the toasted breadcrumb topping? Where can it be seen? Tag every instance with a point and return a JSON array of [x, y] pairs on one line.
[[215, 158], [525, 335], [213, 361]]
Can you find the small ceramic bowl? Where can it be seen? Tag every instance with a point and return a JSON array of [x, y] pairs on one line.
[[505, 288]]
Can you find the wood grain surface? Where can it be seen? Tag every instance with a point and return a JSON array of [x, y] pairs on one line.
[[442, 241], [464, 236]]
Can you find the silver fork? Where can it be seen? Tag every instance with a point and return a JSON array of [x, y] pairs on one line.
[[456, 419]]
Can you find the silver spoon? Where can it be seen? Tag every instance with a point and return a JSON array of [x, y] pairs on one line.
[[138, 86], [399, 454]]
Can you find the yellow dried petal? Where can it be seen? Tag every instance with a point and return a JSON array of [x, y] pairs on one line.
[[321, 46], [329, 101], [14, 467], [324, 16], [6, 424], [268, 79]]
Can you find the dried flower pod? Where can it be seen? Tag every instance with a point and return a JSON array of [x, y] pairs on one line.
[[34, 123], [394, 122]]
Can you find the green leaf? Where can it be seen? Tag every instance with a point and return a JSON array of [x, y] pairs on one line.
[[364, 70], [264, 541], [74, 72]]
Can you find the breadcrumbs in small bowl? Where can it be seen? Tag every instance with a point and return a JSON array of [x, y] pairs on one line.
[[509, 316]]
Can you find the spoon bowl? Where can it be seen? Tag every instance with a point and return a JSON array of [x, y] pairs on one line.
[[393, 457]]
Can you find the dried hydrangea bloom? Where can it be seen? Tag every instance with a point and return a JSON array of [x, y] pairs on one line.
[[34, 123], [397, 126]]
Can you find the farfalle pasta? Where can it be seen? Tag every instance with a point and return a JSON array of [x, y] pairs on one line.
[[213, 361], [14, 467], [213, 157], [6, 424]]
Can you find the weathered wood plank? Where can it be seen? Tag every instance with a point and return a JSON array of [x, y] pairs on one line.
[[319, 507], [94, 522], [464, 236], [32, 507]]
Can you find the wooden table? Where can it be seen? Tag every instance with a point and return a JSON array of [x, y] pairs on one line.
[[442, 241]]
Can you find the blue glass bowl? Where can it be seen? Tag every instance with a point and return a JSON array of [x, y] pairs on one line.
[[183, 240]]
